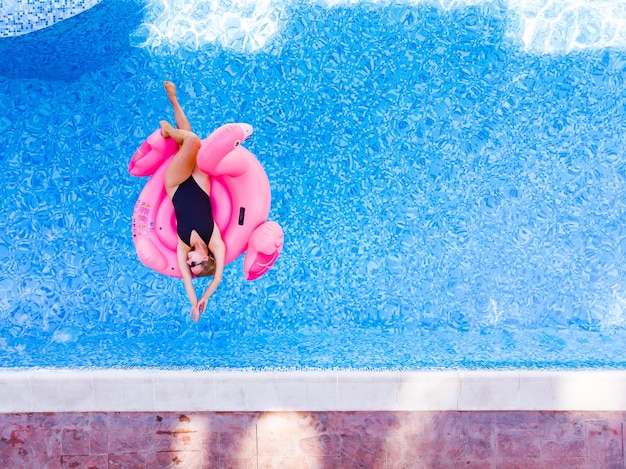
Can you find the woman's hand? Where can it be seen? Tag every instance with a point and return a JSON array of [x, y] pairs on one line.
[[198, 309]]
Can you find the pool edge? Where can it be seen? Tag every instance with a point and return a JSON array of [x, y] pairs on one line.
[[226, 391]]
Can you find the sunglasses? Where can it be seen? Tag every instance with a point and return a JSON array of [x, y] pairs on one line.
[[193, 264]]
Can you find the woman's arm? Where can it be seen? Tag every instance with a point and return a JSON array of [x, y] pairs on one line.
[[218, 248], [181, 257]]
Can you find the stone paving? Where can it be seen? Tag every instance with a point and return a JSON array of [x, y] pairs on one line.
[[522, 439]]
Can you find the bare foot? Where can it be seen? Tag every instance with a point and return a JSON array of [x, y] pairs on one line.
[[170, 89], [166, 129]]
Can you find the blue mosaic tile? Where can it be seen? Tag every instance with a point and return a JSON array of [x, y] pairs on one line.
[[450, 198], [21, 16]]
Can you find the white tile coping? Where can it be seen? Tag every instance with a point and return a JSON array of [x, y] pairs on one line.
[[158, 390]]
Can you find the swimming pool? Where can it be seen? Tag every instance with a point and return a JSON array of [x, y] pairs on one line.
[[450, 181]]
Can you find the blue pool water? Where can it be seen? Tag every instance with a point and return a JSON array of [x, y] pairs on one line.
[[451, 180]]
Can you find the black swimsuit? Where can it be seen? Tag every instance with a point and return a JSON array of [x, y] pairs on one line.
[[192, 207]]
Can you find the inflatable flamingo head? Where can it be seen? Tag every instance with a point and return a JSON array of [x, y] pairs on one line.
[[152, 154], [264, 247]]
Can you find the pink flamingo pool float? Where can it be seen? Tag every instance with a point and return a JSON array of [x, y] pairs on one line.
[[240, 197]]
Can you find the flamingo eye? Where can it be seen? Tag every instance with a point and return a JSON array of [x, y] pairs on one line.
[[237, 143]]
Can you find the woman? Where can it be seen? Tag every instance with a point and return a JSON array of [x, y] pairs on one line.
[[200, 250]]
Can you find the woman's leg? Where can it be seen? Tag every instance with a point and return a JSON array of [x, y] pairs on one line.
[[184, 162], [179, 114]]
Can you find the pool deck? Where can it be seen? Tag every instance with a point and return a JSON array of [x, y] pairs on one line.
[[322, 440], [312, 419]]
